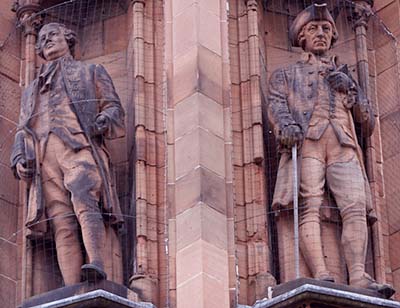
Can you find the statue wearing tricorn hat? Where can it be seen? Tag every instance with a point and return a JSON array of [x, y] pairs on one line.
[[311, 106]]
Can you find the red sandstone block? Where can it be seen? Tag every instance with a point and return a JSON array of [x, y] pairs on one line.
[[387, 85], [8, 265], [185, 30], [396, 283], [394, 250], [242, 257], [379, 4], [209, 23], [141, 218], [390, 16], [151, 148], [141, 141], [141, 182], [8, 221], [240, 223], [198, 110], [8, 185], [201, 185], [201, 222], [161, 149], [149, 62], [210, 74], [238, 180], [243, 27], [115, 33], [8, 290], [185, 75], [244, 60], [151, 184]]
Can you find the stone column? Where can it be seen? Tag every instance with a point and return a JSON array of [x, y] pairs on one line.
[[361, 11], [30, 22], [147, 199], [201, 242]]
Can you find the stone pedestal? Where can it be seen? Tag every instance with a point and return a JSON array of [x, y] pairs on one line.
[[88, 295], [310, 293]]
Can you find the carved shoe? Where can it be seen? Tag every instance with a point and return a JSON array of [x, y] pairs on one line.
[[92, 273], [366, 281], [325, 276]]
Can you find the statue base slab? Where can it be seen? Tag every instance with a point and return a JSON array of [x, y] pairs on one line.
[[88, 295], [311, 293]]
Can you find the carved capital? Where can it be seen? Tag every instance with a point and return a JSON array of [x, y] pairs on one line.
[[360, 12], [29, 19]]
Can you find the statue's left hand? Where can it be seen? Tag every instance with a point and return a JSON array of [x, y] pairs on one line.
[[101, 124], [340, 82]]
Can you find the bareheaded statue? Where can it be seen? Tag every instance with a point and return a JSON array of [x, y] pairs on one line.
[[66, 113], [313, 104]]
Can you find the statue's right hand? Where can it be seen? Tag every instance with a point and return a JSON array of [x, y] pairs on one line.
[[291, 135], [24, 173]]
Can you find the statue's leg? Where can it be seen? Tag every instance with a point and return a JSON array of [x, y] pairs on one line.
[[312, 182], [82, 179], [61, 215], [346, 182]]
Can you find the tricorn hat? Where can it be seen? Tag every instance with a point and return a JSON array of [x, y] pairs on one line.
[[312, 12]]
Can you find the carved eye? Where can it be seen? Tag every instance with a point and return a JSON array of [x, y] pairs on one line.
[[312, 28], [326, 28]]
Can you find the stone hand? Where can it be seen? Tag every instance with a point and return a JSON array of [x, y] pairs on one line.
[[101, 124], [25, 173], [291, 135], [340, 82]]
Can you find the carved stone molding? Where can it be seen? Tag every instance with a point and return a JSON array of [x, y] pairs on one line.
[[360, 12], [29, 19], [252, 5], [138, 1]]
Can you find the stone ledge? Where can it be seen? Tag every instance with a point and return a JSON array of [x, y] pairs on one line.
[[329, 297], [100, 294], [95, 299]]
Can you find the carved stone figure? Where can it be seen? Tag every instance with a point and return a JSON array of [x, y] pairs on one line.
[[66, 113], [310, 104]]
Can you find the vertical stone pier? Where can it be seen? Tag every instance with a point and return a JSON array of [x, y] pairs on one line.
[[199, 155]]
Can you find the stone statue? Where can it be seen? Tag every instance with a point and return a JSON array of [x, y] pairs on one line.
[[66, 113], [310, 104]]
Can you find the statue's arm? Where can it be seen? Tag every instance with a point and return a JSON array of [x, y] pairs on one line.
[[110, 104], [279, 114], [362, 111], [17, 152], [18, 148]]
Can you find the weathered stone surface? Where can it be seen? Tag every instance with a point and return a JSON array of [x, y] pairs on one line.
[[201, 222]]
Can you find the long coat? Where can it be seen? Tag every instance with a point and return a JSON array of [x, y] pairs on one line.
[[292, 97], [91, 93]]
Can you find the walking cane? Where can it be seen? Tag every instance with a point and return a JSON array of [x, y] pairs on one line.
[[296, 212]]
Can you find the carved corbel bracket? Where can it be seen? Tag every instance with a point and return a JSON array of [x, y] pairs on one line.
[[360, 12], [138, 1], [29, 19], [251, 5]]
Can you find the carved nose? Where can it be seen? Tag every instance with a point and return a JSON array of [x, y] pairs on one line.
[[320, 32]]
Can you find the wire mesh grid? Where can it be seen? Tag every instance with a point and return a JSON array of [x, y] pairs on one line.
[[106, 31], [380, 84]]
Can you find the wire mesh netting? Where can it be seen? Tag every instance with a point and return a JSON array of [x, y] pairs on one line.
[[104, 30], [381, 87], [107, 35]]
